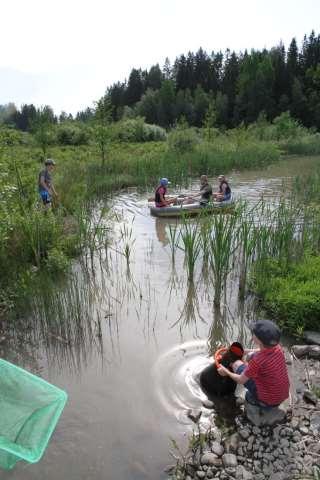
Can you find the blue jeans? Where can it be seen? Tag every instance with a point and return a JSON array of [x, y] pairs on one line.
[[252, 394], [45, 196]]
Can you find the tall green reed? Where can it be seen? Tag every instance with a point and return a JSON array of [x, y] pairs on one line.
[[191, 245]]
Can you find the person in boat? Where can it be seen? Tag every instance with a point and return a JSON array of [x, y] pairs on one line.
[[265, 376], [45, 183], [224, 192], [205, 193], [160, 195]]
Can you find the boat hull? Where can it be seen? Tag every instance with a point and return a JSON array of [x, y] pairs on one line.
[[192, 209]]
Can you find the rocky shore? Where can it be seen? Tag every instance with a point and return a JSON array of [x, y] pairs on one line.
[[286, 448]]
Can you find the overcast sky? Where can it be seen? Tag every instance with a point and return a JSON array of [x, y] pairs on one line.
[[66, 52]]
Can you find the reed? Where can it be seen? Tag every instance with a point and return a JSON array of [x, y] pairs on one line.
[[191, 245], [222, 244]]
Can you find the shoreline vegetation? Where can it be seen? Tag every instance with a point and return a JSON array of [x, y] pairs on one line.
[[33, 242]]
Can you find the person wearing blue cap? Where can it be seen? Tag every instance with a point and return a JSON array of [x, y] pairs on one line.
[[265, 376], [160, 194]]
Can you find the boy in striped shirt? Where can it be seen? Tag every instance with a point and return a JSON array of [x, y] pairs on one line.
[[266, 375]]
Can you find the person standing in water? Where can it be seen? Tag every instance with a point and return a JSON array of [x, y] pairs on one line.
[[224, 192], [160, 194], [45, 183]]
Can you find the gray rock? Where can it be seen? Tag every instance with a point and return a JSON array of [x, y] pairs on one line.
[[295, 422], [256, 430], [208, 403], [229, 460], [244, 433], [260, 476], [313, 351], [194, 415], [246, 475], [231, 443], [310, 397], [209, 473], [259, 416], [209, 458], [312, 337], [277, 476], [284, 443], [267, 470], [304, 430], [200, 474], [217, 448]]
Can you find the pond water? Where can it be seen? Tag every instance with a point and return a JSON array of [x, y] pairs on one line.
[[127, 343]]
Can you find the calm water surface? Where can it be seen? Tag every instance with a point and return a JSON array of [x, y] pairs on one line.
[[141, 337]]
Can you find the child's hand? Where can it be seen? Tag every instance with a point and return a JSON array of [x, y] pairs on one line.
[[223, 371]]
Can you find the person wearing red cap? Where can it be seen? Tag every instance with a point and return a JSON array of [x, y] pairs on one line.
[[266, 375]]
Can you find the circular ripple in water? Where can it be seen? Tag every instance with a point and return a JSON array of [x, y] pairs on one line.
[[176, 376]]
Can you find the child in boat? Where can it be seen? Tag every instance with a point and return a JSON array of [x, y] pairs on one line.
[[224, 192], [266, 375], [205, 193], [160, 193]]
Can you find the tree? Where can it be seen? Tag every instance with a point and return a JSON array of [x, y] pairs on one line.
[[210, 121], [166, 113], [102, 118], [298, 108], [201, 103], [222, 109], [148, 106], [154, 78], [42, 127], [135, 88], [167, 69]]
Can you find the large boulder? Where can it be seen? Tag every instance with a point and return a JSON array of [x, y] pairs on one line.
[[312, 337], [260, 416], [312, 351]]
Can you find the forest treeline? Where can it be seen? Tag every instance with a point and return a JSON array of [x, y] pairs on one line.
[[234, 87]]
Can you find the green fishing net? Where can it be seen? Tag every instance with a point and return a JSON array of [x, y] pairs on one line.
[[30, 409]]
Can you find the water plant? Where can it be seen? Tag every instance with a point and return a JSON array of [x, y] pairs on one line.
[[191, 245]]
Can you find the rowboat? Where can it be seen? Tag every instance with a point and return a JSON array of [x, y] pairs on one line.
[[191, 209]]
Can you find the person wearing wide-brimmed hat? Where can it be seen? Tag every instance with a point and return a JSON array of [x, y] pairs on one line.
[[266, 375]]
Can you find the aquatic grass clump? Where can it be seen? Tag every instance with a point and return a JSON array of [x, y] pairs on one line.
[[127, 240], [222, 244], [191, 245]]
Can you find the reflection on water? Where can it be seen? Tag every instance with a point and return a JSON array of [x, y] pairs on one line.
[[128, 339]]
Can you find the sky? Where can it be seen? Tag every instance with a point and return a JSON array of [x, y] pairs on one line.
[[65, 53]]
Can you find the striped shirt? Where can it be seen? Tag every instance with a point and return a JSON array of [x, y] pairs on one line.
[[269, 371]]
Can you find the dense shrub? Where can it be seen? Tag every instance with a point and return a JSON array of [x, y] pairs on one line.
[[136, 130], [72, 134], [306, 145], [183, 140]]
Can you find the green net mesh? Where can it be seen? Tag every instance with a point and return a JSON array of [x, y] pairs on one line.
[[30, 409]]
